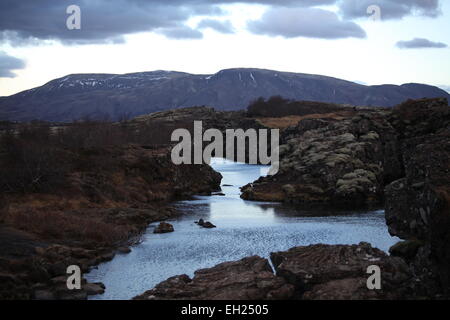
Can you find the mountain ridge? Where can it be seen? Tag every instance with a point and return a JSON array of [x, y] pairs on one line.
[[114, 96]]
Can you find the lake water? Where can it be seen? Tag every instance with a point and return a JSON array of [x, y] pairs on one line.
[[243, 229]]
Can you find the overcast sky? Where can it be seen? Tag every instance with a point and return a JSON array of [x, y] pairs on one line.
[[399, 41]]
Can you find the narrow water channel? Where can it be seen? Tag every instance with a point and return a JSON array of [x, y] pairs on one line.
[[243, 229]]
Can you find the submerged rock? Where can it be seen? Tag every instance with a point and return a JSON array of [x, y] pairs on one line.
[[208, 225], [205, 224]]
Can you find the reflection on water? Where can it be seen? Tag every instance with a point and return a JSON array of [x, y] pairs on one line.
[[243, 229]]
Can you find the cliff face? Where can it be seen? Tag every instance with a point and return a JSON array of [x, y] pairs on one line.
[[418, 204]]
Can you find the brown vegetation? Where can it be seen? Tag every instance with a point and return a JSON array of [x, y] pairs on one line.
[[47, 171], [278, 106], [60, 225], [288, 121]]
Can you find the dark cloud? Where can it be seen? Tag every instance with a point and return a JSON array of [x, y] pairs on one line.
[[305, 22], [101, 20], [420, 43], [390, 9], [9, 63], [287, 3], [219, 26], [31, 21], [182, 32]]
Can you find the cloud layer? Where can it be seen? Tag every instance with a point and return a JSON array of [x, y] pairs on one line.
[[9, 63], [219, 26], [31, 21], [420, 43], [305, 22], [182, 32]]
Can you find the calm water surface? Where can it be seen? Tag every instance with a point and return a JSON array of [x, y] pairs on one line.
[[243, 229]]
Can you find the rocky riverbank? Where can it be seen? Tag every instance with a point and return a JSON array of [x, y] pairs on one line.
[[98, 211], [398, 157], [89, 203], [310, 273]]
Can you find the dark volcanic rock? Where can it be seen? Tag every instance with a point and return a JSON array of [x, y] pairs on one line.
[[205, 224], [330, 162], [406, 249], [98, 95], [94, 288], [340, 272], [247, 279], [163, 227], [315, 272], [418, 205], [208, 225]]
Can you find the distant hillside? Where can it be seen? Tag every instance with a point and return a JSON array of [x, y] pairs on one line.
[[129, 95]]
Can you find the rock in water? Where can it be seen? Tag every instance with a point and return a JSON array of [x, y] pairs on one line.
[[208, 225], [164, 227], [205, 224], [94, 288]]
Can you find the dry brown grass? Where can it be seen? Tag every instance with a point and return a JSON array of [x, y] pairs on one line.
[[64, 226], [284, 122]]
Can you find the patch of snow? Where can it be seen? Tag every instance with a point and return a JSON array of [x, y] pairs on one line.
[[253, 78]]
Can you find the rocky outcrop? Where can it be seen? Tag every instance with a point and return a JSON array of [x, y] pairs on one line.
[[329, 162], [42, 274], [317, 272], [418, 204], [248, 279], [340, 272], [347, 161]]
